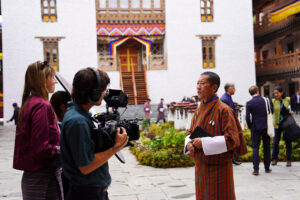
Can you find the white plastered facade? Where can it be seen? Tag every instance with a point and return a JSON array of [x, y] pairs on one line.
[[234, 48]]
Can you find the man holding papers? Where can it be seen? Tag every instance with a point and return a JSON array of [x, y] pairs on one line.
[[215, 135]]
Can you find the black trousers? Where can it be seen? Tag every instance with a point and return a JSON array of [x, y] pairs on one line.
[[256, 137], [276, 141], [86, 193], [297, 108]]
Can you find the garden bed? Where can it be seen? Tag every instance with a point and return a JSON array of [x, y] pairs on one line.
[[161, 145]]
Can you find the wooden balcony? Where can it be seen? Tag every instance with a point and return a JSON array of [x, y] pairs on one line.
[[281, 64], [266, 31], [133, 16]]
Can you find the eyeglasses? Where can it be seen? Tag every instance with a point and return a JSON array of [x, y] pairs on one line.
[[42, 65]]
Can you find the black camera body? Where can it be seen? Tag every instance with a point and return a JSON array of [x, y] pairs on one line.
[[104, 134]]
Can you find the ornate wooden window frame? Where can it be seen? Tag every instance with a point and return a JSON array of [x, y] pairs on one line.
[[48, 10], [208, 50], [51, 53], [206, 10], [152, 14], [130, 9]]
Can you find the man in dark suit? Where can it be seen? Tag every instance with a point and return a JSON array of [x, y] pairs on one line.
[[297, 103], [256, 117]]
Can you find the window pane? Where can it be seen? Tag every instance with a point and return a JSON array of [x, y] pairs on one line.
[[54, 55], [135, 3], [202, 4], [102, 3], [113, 3], [156, 3], [204, 53], [208, 11], [45, 2], [208, 4], [52, 11], [210, 53], [52, 3], [124, 3], [46, 11], [48, 55], [146, 3]]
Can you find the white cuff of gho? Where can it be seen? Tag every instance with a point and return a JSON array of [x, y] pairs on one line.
[[187, 140], [214, 145]]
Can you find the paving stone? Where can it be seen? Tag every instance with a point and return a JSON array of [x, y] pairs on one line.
[[132, 181]]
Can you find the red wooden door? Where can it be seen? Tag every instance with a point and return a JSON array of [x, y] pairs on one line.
[[128, 59]]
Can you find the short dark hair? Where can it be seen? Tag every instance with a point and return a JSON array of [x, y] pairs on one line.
[[279, 89], [15, 104], [253, 90], [59, 98], [227, 86], [84, 82], [213, 78]]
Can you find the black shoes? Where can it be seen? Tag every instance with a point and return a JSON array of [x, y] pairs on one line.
[[274, 162], [255, 173], [235, 162], [268, 170]]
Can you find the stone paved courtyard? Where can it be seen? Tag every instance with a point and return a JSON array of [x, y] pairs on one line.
[[136, 182]]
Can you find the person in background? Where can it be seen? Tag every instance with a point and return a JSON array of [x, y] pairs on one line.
[[281, 107], [147, 108], [297, 103], [87, 171], [256, 118], [227, 99], [213, 155], [15, 115], [161, 111], [37, 146], [59, 102]]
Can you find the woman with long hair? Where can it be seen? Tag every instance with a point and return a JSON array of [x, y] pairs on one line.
[[37, 137], [281, 108]]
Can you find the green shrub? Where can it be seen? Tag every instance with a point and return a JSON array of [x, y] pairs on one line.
[[145, 123], [164, 150], [282, 150]]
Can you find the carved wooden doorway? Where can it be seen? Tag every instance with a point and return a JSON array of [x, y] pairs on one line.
[[133, 75]]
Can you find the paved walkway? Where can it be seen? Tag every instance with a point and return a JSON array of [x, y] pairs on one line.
[[135, 182]]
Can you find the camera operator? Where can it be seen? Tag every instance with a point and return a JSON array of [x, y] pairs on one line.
[[86, 171]]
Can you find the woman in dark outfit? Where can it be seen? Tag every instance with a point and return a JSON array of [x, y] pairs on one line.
[[281, 108]]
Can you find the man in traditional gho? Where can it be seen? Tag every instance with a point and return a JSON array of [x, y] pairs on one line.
[[161, 111], [213, 155], [147, 108]]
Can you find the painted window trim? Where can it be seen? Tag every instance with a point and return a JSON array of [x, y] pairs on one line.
[[48, 17], [207, 10], [208, 50]]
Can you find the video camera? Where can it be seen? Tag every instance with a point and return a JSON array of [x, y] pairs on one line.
[[104, 133]]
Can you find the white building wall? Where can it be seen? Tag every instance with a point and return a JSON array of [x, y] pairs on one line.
[[234, 49], [78, 49], [22, 22]]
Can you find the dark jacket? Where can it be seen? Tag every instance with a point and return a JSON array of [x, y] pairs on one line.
[[256, 107], [15, 115]]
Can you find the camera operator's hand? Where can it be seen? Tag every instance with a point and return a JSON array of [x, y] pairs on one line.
[[121, 139]]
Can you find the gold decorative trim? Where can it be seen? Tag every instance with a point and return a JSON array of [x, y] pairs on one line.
[[50, 39], [208, 37]]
